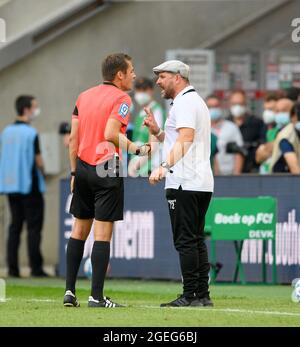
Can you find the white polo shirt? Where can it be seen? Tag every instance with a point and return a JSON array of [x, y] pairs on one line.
[[193, 171]]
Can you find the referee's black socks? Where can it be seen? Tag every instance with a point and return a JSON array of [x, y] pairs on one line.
[[74, 255], [100, 261]]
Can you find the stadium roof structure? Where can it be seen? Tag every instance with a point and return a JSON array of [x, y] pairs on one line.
[[74, 12], [47, 28], [243, 23]]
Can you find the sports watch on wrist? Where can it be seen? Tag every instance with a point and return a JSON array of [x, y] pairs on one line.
[[165, 165]]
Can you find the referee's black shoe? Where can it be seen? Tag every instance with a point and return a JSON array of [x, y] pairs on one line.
[[104, 303], [70, 299], [184, 301]]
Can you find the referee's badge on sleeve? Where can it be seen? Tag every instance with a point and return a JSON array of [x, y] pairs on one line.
[[124, 109]]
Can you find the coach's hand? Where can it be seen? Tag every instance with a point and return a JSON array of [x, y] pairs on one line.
[[157, 175], [150, 122], [72, 184]]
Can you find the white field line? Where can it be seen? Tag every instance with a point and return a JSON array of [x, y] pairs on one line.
[[41, 300], [227, 310], [199, 309], [32, 300]]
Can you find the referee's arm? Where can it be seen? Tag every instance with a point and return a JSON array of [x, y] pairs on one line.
[[73, 144], [113, 134]]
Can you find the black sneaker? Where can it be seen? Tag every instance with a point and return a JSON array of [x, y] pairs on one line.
[[106, 303], [206, 301], [70, 300], [183, 301]]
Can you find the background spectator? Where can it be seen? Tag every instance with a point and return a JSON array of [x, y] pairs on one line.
[[263, 155], [264, 151], [144, 97], [283, 109], [22, 181], [226, 132], [293, 94], [269, 116], [286, 149], [252, 128]]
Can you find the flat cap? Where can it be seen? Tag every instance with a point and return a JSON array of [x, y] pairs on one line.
[[173, 66]]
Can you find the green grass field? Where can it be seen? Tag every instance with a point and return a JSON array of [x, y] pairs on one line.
[[32, 302]]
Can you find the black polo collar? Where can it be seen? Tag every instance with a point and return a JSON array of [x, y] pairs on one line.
[[110, 84], [188, 91]]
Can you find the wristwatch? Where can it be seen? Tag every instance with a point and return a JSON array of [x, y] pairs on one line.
[[73, 173], [165, 165]]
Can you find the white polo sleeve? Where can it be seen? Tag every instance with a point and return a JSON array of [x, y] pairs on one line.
[[185, 114]]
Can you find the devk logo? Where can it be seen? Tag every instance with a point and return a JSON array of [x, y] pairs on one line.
[[2, 31], [296, 32]]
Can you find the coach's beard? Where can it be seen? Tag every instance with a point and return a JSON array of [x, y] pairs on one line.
[[167, 94]]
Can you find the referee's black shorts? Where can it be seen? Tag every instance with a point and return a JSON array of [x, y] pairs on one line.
[[101, 198]]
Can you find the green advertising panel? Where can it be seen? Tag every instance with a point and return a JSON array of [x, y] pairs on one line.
[[242, 218]]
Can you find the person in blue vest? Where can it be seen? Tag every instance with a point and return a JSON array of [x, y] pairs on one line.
[[21, 179]]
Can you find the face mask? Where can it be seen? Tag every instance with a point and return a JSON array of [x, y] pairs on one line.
[[142, 98], [238, 110], [269, 116], [297, 126], [35, 114], [282, 119], [215, 113]]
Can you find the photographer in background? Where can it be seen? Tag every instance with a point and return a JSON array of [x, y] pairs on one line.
[[252, 128], [224, 163]]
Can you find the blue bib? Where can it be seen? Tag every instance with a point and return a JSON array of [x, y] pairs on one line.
[[17, 160]]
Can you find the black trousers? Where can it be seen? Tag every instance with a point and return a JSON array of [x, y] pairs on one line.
[[187, 212], [30, 209]]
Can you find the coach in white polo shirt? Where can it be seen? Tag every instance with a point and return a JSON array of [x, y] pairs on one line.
[[189, 179]]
